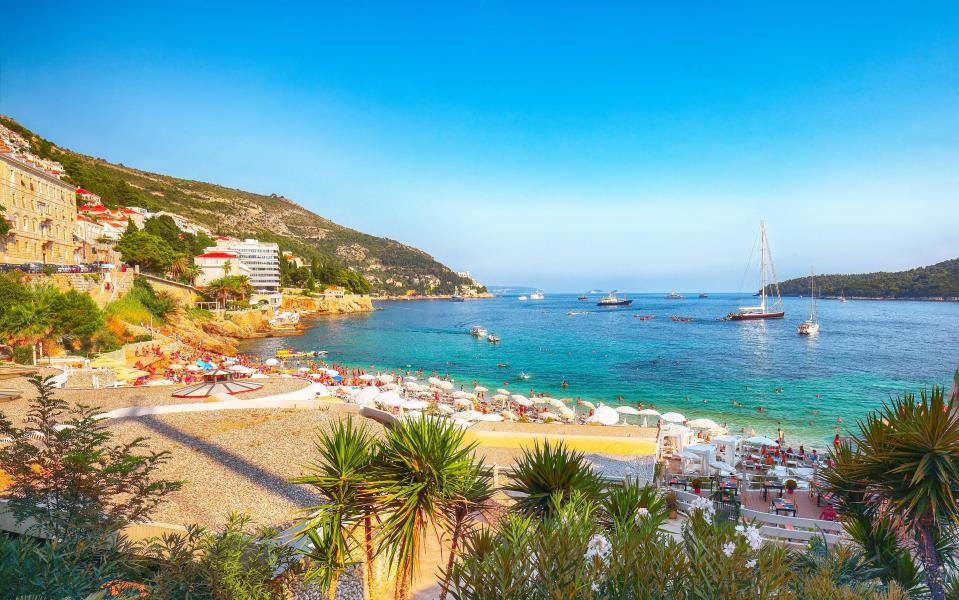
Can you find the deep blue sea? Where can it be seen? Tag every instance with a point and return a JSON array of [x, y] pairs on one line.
[[866, 352]]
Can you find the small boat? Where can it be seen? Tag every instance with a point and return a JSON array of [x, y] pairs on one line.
[[457, 298], [613, 300], [522, 298], [767, 278], [842, 296], [523, 375], [703, 295], [492, 338], [811, 325], [583, 297], [674, 295], [478, 331], [536, 296]]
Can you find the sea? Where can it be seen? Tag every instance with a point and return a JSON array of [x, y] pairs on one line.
[[748, 375]]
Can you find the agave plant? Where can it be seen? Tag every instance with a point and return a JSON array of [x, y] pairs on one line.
[[904, 462], [549, 470], [341, 476], [417, 471], [632, 505]]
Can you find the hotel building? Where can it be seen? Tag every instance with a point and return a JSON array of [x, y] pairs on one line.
[[41, 210]]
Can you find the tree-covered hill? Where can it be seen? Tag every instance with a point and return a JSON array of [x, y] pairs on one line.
[[390, 266], [940, 280]]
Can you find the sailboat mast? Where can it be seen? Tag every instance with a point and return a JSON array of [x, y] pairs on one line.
[[762, 264]]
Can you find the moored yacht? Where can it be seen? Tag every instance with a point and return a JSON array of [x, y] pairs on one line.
[[767, 279], [523, 298], [674, 295], [612, 300], [811, 325], [536, 296]]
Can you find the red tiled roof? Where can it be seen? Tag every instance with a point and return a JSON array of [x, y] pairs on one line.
[[94, 208], [82, 191], [216, 255]]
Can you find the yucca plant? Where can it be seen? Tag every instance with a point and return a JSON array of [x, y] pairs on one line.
[[633, 505], [341, 476], [548, 470], [905, 462], [469, 495], [417, 470]]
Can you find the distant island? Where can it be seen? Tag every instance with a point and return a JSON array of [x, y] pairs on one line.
[[935, 282]]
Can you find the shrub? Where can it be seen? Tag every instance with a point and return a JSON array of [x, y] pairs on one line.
[[23, 355], [551, 470]]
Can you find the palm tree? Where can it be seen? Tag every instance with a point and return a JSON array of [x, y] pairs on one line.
[[471, 494], [179, 267], [418, 466], [548, 473], [340, 476], [904, 464]]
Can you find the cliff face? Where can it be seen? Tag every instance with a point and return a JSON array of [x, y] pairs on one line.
[[329, 306], [221, 335]]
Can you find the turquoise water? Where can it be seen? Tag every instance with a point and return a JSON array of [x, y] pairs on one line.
[[866, 352]]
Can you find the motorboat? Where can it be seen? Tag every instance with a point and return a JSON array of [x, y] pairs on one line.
[[583, 297], [457, 298], [767, 283], [811, 325], [523, 298], [612, 300], [478, 331], [674, 295], [492, 338], [536, 296], [703, 295]]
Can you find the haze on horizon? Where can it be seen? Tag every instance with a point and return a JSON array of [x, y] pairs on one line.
[[553, 146]]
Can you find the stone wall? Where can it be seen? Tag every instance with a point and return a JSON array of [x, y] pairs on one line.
[[350, 303]]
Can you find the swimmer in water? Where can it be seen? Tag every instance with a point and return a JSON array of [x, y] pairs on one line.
[[761, 409]]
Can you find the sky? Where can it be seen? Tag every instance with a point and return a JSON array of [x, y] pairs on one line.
[[564, 146]]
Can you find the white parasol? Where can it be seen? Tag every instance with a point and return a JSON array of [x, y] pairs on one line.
[[672, 417]]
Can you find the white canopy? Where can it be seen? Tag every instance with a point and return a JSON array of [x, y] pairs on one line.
[[567, 413], [503, 391], [414, 405], [673, 417], [480, 388], [490, 417], [385, 377], [626, 410], [509, 415], [446, 385], [587, 404], [463, 402], [444, 409], [521, 400], [604, 415], [366, 377], [434, 380], [388, 399], [272, 362], [500, 398], [555, 403], [649, 412], [366, 395], [703, 424], [761, 440], [468, 415]]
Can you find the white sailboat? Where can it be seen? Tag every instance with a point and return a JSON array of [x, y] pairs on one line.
[[767, 277], [811, 325]]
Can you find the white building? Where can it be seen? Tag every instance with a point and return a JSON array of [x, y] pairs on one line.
[[216, 265], [262, 258]]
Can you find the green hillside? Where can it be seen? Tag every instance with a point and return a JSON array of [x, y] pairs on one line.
[[940, 280], [390, 266]]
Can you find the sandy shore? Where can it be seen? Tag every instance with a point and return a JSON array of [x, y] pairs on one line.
[[108, 399]]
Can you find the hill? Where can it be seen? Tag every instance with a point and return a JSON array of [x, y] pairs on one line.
[[389, 266], [940, 280]]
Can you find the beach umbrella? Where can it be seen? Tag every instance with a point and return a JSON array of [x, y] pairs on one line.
[[500, 398], [366, 377], [446, 385], [555, 403], [303, 369], [761, 440], [414, 405], [462, 394], [627, 410], [463, 402], [567, 413], [604, 415], [391, 387], [385, 378], [648, 412], [480, 388], [549, 415], [331, 372], [503, 391], [271, 362], [444, 409], [587, 404], [412, 385], [409, 378], [434, 381], [672, 417], [366, 395], [391, 399], [509, 415], [467, 415], [521, 400], [491, 417], [704, 424], [176, 367]]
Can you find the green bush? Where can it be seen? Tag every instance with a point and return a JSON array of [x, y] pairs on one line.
[[23, 355], [199, 314]]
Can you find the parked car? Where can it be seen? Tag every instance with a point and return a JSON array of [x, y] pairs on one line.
[[33, 267]]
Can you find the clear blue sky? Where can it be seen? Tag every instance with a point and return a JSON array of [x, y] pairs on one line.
[[564, 146]]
